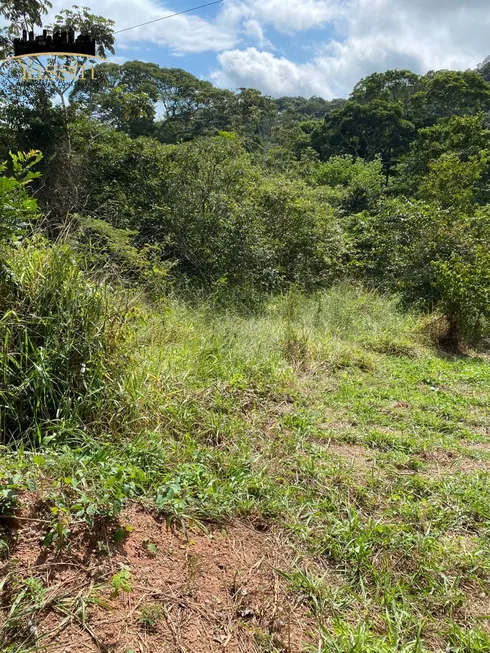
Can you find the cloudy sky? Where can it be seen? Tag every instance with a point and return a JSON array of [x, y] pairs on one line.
[[301, 47]]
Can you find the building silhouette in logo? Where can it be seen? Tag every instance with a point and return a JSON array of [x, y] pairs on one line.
[[57, 43]]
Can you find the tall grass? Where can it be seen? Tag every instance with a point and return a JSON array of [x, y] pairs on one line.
[[61, 337], [323, 414], [186, 355], [65, 371], [64, 364]]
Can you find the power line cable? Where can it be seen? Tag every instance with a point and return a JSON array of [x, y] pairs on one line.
[[179, 13]]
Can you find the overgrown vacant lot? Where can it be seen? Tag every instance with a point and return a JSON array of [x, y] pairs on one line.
[[314, 478]]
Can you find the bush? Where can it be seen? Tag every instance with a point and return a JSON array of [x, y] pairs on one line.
[[112, 250], [356, 185], [297, 239], [61, 335], [434, 257], [464, 286], [219, 218], [17, 208]]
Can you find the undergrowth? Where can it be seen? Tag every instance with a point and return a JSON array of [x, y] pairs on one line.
[[331, 417], [62, 336]]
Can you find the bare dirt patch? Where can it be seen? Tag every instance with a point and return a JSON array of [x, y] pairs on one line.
[[191, 592], [479, 446], [339, 425], [442, 461], [352, 454]]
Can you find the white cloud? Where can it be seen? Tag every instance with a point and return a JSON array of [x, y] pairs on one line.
[[253, 29], [191, 33], [273, 75], [293, 15], [188, 33], [374, 35]]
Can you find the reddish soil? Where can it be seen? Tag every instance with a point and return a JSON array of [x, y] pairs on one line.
[[194, 592]]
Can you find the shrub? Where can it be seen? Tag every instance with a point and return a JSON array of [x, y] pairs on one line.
[[434, 257], [355, 185], [17, 209], [60, 335], [297, 238], [464, 286], [112, 250], [209, 209]]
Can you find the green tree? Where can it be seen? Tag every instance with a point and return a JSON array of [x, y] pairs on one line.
[[28, 118], [483, 69], [366, 131], [464, 136], [24, 12], [21, 14], [254, 118], [29, 108], [191, 107], [454, 184], [124, 97], [356, 185], [42, 117], [300, 109], [449, 93], [214, 213], [390, 86], [82, 21], [426, 253]]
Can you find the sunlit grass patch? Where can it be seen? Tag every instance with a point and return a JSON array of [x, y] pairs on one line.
[[330, 418]]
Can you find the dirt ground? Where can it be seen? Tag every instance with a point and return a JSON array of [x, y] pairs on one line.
[[158, 590]]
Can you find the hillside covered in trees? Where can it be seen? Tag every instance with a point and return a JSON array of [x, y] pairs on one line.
[[236, 189], [244, 369]]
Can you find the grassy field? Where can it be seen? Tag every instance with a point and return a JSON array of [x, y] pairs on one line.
[[331, 423]]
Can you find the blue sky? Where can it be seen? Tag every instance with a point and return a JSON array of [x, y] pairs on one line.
[[301, 47]]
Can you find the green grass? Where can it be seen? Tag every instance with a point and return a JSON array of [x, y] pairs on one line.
[[332, 417]]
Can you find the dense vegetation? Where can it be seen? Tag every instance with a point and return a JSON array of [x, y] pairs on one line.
[[179, 262], [242, 191]]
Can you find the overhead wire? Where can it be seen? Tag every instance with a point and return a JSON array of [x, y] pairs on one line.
[[179, 13]]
